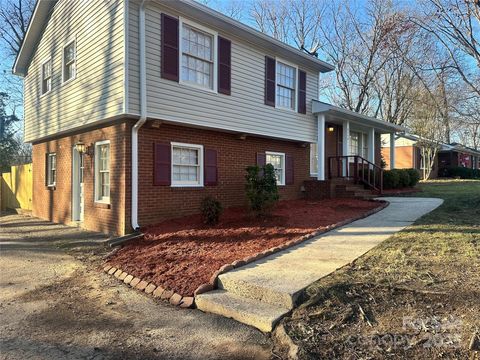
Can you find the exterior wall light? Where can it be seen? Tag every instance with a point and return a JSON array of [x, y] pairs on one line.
[[81, 148], [331, 129]]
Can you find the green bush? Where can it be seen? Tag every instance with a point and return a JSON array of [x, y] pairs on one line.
[[390, 179], [211, 210], [461, 172], [261, 189], [414, 177], [400, 178]]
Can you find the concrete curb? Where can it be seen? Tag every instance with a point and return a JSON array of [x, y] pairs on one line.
[[212, 284], [149, 288]]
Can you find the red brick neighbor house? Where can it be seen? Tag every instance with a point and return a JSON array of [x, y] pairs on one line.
[[408, 148], [137, 110]]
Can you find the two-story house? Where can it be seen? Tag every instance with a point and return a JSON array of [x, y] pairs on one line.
[[139, 109]]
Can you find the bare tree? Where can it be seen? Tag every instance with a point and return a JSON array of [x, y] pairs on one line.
[[271, 17], [456, 26], [14, 18]]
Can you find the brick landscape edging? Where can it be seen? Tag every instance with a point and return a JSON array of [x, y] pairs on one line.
[[175, 299], [212, 284], [150, 288]]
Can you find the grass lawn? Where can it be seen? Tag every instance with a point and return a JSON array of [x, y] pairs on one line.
[[417, 295]]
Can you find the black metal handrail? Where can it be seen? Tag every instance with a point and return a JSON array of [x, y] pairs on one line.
[[364, 171]]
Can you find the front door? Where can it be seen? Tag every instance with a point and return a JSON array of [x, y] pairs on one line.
[[77, 186]]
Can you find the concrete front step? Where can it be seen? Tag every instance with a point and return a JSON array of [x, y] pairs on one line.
[[255, 291], [261, 315]]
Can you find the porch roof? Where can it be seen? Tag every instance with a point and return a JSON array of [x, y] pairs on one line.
[[335, 113]]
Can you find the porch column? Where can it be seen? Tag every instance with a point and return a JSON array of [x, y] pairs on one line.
[[392, 151], [321, 147], [371, 145], [346, 144]]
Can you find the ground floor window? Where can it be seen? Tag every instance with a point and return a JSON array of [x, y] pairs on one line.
[[354, 143], [51, 169], [278, 162], [313, 159], [187, 165], [102, 171]]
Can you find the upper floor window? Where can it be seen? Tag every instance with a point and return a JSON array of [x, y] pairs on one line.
[[278, 162], [46, 76], [286, 80], [69, 61], [102, 171], [198, 54], [51, 169]]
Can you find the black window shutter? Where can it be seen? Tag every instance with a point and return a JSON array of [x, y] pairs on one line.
[[211, 168], [46, 169], [161, 164], [302, 92], [269, 81], [289, 172], [224, 66], [169, 47]]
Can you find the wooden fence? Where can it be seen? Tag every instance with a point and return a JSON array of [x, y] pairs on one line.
[[16, 188]]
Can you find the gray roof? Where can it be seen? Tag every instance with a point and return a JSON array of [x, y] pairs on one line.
[[320, 107]]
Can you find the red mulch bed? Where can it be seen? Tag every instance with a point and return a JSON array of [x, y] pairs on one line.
[[181, 254]]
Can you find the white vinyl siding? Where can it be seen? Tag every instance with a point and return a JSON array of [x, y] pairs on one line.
[[187, 165], [102, 171], [97, 92], [286, 80], [51, 169], [46, 76], [197, 57], [243, 111], [278, 162]]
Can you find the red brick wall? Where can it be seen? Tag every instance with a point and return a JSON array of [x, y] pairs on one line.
[[234, 155], [55, 204]]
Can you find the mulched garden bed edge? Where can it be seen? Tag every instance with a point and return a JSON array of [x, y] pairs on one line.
[[158, 292]]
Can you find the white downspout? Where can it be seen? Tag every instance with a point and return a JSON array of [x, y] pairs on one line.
[[143, 117]]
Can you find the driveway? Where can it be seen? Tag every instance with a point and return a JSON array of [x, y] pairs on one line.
[[55, 303]]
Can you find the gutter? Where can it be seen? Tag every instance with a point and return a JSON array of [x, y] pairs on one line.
[[141, 120]]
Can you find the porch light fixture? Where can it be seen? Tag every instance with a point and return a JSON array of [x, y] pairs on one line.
[[331, 129], [81, 147]]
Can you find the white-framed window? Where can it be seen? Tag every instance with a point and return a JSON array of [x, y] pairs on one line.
[[286, 86], [102, 171], [313, 159], [187, 165], [198, 56], [69, 59], [51, 169], [278, 162], [354, 143], [46, 76]]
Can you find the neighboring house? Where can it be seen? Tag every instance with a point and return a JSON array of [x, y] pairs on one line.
[[138, 110], [408, 155], [458, 155]]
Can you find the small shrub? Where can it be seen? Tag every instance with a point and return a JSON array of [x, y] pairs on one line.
[[211, 210], [414, 177], [404, 178], [390, 179], [261, 188]]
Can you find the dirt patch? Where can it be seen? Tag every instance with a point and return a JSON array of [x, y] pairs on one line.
[[184, 253]]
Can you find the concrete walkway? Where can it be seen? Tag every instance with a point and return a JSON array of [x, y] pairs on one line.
[[260, 293]]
